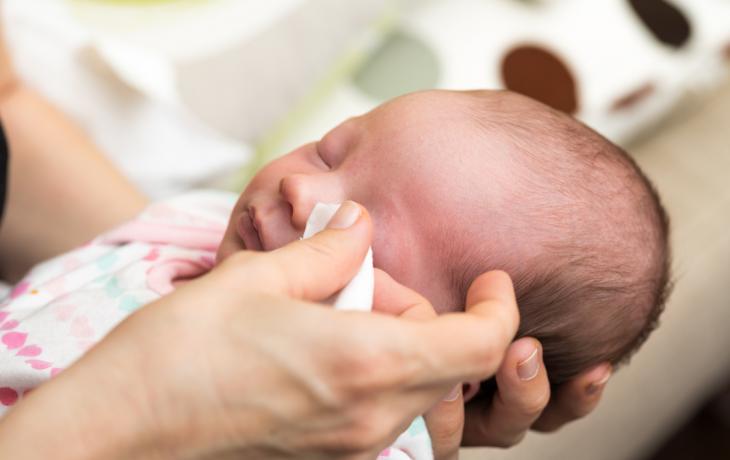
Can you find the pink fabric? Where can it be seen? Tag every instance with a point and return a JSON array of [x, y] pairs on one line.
[[67, 304], [161, 233]]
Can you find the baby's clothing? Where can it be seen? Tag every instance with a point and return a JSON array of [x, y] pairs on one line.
[[67, 304]]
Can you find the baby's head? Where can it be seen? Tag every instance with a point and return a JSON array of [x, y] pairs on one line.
[[458, 183]]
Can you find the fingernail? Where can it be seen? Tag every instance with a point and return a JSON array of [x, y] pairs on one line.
[[598, 385], [347, 215], [453, 394], [528, 369]]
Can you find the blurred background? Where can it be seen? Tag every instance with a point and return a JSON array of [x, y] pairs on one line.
[[199, 93]]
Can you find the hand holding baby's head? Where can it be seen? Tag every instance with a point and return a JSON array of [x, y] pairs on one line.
[[458, 183]]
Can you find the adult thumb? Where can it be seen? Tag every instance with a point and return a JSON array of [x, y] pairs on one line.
[[317, 267]]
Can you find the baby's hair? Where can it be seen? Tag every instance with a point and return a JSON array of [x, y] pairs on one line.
[[597, 286]]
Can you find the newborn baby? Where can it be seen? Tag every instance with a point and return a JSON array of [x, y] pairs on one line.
[[458, 183]]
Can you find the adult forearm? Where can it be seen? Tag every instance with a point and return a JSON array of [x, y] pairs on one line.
[[61, 190], [74, 418]]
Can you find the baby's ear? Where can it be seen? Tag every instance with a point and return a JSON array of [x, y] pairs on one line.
[[393, 298]]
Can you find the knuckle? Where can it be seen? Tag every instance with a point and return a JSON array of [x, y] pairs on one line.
[[490, 349], [355, 380], [446, 433], [489, 354], [318, 247], [572, 409], [547, 428], [369, 366], [579, 412], [365, 432], [510, 441], [533, 405]]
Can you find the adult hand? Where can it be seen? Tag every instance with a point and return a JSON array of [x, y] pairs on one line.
[[240, 362], [445, 420], [523, 400]]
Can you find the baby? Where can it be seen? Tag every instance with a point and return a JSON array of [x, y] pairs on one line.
[[456, 183]]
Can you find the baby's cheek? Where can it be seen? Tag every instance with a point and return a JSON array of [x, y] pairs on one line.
[[394, 259], [398, 250]]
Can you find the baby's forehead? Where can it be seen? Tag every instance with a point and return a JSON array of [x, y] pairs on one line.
[[437, 139], [477, 119], [435, 123], [425, 107]]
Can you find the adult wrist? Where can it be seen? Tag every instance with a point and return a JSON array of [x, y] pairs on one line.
[[9, 80], [9, 85]]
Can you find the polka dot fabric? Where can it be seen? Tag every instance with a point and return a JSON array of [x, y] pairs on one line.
[[617, 65]]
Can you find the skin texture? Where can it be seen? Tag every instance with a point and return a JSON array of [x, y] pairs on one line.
[[342, 387], [371, 159]]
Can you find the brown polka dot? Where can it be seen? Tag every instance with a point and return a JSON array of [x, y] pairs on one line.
[[538, 73], [726, 52], [634, 97], [664, 20]]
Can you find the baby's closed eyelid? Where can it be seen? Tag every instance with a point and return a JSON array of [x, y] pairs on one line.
[[320, 157], [336, 144]]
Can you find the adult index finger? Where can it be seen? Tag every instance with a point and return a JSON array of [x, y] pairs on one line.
[[460, 347], [393, 298]]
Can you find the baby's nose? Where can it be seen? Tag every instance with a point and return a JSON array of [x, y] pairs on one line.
[[302, 193]]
